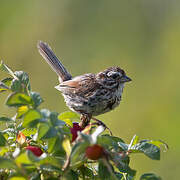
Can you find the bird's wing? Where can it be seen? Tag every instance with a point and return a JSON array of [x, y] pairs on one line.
[[83, 86]]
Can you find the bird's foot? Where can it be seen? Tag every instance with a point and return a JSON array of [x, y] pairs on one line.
[[85, 120]]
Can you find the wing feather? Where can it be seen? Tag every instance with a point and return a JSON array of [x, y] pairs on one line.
[[83, 86]]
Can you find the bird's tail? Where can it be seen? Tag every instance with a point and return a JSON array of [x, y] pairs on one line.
[[53, 61]]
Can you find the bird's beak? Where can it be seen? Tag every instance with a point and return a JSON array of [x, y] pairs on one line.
[[125, 79]]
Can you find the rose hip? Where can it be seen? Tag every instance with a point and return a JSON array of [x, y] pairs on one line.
[[74, 130], [94, 152], [35, 150]]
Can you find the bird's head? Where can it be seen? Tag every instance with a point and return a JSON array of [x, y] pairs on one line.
[[114, 74]]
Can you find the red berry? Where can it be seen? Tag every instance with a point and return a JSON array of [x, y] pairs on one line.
[[74, 130], [35, 150], [94, 152]]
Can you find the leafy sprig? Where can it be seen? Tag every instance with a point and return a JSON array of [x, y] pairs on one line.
[[34, 129]]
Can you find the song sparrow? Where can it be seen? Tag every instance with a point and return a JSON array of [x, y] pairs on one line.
[[88, 94]]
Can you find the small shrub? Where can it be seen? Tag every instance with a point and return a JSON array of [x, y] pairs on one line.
[[39, 144]]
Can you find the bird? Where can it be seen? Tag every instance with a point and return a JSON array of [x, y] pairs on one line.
[[89, 94]]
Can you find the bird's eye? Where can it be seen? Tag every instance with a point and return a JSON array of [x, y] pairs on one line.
[[113, 75]]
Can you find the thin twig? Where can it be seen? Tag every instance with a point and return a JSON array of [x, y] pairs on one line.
[[101, 123]]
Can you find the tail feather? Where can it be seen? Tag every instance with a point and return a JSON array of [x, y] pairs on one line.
[[53, 61]]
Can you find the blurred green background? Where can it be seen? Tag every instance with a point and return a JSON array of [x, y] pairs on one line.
[[142, 37]]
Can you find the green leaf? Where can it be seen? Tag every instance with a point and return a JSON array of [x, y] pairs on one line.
[[78, 153], [86, 172], [109, 142], [24, 78], [45, 113], [18, 178], [119, 176], [112, 142], [4, 84], [54, 119], [85, 137], [35, 176], [127, 177], [32, 157], [55, 144], [70, 175], [124, 167], [42, 130], [19, 99], [54, 161], [51, 144], [158, 143], [3, 151], [65, 131], [3, 87], [121, 161], [2, 140], [68, 115], [36, 99], [103, 171], [7, 163], [148, 149], [22, 110], [9, 131], [29, 131], [31, 117], [5, 119], [149, 176], [68, 122], [7, 81], [133, 141], [5, 68], [50, 168], [123, 146], [20, 83], [67, 146], [16, 85], [52, 132], [22, 159]]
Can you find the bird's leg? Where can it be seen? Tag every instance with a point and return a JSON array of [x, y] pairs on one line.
[[85, 120], [101, 123]]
